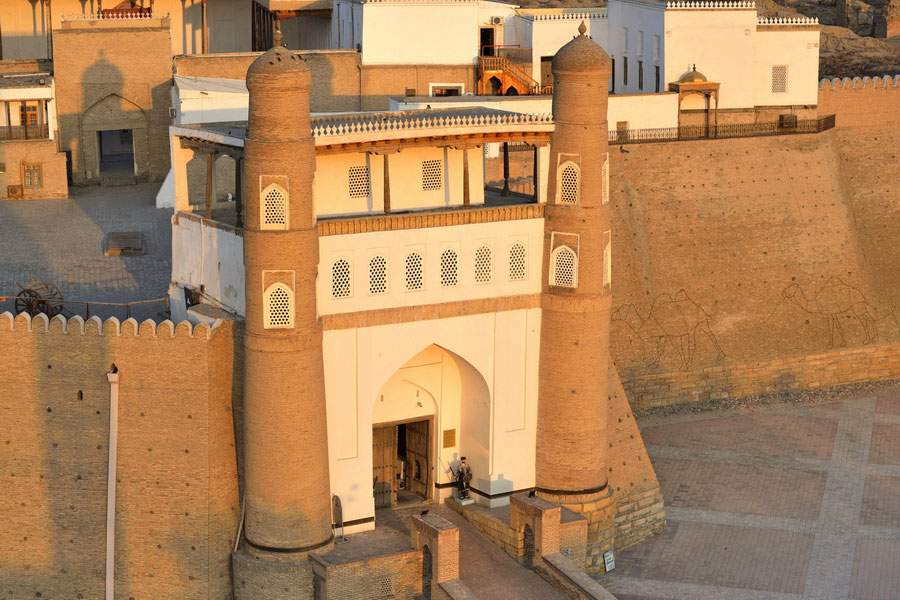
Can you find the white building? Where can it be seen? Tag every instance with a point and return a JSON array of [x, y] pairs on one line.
[[447, 240], [756, 61]]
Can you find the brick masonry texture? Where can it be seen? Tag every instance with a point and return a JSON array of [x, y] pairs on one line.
[[42, 152], [177, 504], [102, 85], [725, 258]]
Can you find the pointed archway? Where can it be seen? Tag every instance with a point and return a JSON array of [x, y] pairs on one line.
[[434, 409]]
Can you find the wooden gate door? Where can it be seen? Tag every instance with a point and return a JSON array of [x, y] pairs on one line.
[[417, 460], [384, 460]]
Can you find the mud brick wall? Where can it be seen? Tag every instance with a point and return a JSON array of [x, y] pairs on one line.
[[861, 102], [176, 498], [42, 152], [732, 254], [874, 363], [102, 84], [395, 576]]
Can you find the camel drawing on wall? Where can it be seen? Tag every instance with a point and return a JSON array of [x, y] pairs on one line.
[[833, 302], [672, 321]]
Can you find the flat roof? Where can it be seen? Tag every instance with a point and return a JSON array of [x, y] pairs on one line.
[[25, 80], [388, 125]]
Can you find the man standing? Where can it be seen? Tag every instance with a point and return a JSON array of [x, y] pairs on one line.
[[463, 478]]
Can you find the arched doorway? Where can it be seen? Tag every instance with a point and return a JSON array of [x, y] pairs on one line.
[[432, 410], [427, 571], [528, 556]]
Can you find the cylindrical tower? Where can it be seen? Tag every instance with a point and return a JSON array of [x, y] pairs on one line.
[[571, 466], [287, 492]]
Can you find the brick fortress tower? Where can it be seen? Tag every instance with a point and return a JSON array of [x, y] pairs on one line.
[[287, 493], [571, 467]]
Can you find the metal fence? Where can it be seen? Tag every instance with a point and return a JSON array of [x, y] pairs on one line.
[[734, 130]]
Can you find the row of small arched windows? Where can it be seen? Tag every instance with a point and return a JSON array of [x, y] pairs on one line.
[[414, 270]]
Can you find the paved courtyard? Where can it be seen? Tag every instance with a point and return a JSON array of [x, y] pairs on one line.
[[782, 503], [62, 241]]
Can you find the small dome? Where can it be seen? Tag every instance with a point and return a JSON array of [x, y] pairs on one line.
[[582, 54], [277, 60], [693, 76]]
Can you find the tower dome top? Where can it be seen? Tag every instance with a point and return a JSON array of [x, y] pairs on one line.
[[582, 54], [693, 76], [276, 61]]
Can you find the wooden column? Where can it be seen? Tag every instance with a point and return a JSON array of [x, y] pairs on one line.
[[505, 191], [466, 198], [238, 191], [210, 178], [8, 121], [387, 186], [204, 28], [23, 116], [534, 174]]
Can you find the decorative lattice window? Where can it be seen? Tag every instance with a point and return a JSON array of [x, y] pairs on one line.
[[378, 275], [432, 177], [274, 208], [278, 303], [340, 279], [568, 184], [449, 267], [517, 262], [604, 174], [483, 265], [358, 182], [779, 79], [415, 279], [383, 588], [607, 261], [564, 268]]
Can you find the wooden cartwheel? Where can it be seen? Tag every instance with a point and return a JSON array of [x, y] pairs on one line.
[[39, 297]]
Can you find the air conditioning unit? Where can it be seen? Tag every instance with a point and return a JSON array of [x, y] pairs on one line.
[[15, 192], [787, 121], [496, 20], [173, 112]]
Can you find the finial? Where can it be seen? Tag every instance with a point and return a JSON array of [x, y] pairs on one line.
[[582, 29], [277, 36]]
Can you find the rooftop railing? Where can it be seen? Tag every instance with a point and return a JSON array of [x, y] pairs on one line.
[[386, 122], [18, 132], [114, 14], [787, 21], [733, 130]]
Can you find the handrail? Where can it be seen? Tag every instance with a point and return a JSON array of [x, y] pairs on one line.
[[732, 130], [114, 14], [87, 304], [501, 63], [400, 122]]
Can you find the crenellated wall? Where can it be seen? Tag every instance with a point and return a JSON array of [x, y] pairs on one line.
[[861, 101], [176, 497]]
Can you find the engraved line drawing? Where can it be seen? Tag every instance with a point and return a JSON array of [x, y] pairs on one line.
[[835, 301], [672, 320]]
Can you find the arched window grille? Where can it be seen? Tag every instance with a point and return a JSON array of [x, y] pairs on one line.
[[564, 268], [518, 265], [569, 184], [274, 208], [605, 177], [449, 268], [415, 279], [378, 275], [484, 267], [278, 307], [341, 281]]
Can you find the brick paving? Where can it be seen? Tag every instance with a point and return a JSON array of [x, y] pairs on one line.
[[62, 241], [787, 502]]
